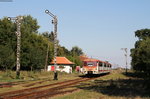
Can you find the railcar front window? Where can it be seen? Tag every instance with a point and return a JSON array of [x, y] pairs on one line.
[[90, 64]]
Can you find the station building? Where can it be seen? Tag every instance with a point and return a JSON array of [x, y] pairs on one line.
[[63, 65]]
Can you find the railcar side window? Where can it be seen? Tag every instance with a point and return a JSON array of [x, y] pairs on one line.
[[100, 64], [104, 64]]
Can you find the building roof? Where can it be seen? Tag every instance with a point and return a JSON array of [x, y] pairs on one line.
[[62, 60]]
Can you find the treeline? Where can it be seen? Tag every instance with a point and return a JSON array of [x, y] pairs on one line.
[[141, 53], [34, 46]]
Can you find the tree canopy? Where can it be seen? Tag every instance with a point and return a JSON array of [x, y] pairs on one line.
[[34, 45], [76, 51], [141, 53]]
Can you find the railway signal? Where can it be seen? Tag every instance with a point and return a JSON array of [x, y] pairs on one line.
[[126, 55], [17, 20], [54, 21]]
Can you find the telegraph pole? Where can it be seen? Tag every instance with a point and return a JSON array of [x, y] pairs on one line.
[[54, 21], [18, 33], [46, 57], [126, 55]]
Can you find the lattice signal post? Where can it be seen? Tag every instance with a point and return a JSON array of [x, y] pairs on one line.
[[54, 21], [126, 55], [18, 33]]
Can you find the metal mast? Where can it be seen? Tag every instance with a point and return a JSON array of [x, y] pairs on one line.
[[126, 55], [54, 21], [18, 33]]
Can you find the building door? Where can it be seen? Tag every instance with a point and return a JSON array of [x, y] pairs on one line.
[[52, 68]]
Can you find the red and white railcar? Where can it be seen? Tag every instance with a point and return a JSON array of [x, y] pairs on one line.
[[94, 66]]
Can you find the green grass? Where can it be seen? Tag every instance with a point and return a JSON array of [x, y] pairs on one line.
[[116, 85], [113, 86], [84, 94], [10, 76], [27, 78]]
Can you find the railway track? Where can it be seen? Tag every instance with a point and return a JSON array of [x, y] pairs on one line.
[[23, 83], [10, 84], [44, 91]]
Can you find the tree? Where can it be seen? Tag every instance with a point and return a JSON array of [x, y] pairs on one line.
[[142, 34], [141, 53], [34, 46], [76, 51], [29, 25], [34, 51], [49, 36], [7, 44]]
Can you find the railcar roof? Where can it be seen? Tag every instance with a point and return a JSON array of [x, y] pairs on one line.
[[91, 59], [95, 60]]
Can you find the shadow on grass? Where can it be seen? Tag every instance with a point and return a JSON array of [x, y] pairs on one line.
[[121, 87], [93, 75], [134, 74]]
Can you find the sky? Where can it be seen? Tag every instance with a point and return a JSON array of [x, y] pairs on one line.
[[99, 27]]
